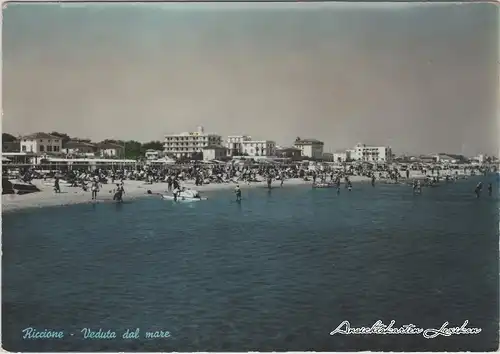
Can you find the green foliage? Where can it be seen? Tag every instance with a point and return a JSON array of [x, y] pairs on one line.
[[154, 145], [8, 138]]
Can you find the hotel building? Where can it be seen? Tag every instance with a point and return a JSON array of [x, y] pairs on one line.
[[311, 148], [363, 152], [185, 144], [239, 145], [259, 147], [234, 144]]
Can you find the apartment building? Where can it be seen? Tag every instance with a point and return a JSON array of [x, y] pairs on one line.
[[185, 144], [259, 148], [363, 152], [40, 143], [311, 148], [234, 144]]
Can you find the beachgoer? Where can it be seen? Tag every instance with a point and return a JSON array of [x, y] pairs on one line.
[[95, 188], [176, 192], [57, 188], [237, 191], [119, 193], [478, 189], [490, 189]]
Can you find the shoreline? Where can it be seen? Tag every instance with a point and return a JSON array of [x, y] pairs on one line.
[[133, 190], [138, 189]]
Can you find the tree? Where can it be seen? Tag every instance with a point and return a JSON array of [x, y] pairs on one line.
[[154, 145], [133, 149], [8, 138]]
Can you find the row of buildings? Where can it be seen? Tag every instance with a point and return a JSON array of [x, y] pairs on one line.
[[43, 143], [213, 147]]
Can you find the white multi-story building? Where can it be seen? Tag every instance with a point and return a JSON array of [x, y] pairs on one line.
[[41, 143], [185, 144], [363, 152], [259, 147], [310, 147], [234, 144]]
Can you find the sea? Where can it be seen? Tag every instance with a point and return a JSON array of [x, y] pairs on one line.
[[287, 269]]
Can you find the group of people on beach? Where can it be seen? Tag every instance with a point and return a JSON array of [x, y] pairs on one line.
[[247, 173]]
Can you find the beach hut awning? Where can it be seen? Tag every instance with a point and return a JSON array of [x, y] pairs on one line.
[[164, 161]]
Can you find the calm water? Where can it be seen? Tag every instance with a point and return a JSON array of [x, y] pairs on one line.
[[279, 271]]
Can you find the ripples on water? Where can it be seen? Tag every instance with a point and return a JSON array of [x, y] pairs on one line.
[[277, 272]]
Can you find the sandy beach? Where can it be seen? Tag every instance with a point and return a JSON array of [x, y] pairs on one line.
[[133, 189]]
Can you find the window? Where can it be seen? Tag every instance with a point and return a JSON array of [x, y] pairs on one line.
[[24, 148], [49, 148], [56, 148]]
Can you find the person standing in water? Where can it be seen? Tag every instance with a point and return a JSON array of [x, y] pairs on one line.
[[237, 191], [490, 189], [176, 193], [269, 181], [478, 189], [119, 193], [373, 180], [95, 188]]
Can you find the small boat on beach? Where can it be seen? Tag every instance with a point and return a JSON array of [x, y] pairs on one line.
[[188, 195], [324, 185], [182, 199]]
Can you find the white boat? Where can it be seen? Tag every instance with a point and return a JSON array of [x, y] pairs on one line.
[[188, 195]]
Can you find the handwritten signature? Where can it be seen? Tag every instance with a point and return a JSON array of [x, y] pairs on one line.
[[409, 329]]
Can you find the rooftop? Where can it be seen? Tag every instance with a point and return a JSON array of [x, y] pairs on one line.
[[307, 141], [40, 135], [77, 144]]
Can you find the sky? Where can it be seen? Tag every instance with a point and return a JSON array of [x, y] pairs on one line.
[[421, 78]]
